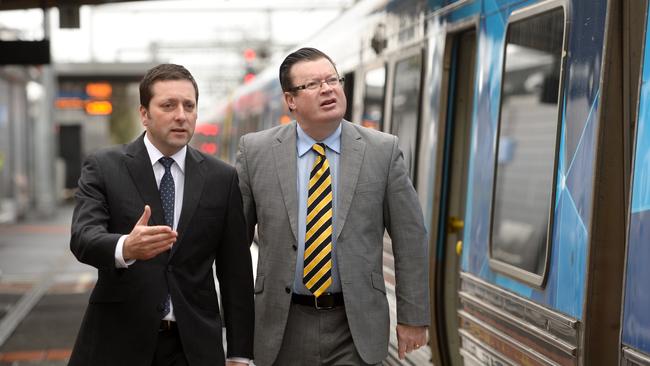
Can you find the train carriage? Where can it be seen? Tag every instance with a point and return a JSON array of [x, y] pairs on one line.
[[635, 335], [517, 120]]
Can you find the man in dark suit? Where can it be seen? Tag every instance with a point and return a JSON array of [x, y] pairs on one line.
[[322, 191], [153, 216]]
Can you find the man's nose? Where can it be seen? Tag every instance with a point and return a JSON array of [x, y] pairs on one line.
[[325, 87], [180, 113]]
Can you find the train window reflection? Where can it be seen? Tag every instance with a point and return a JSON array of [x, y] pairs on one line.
[[373, 99], [526, 147], [406, 108]]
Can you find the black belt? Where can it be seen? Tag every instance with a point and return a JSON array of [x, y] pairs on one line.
[[325, 301], [167, 326]]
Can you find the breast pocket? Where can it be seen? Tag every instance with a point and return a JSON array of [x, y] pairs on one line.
[[208, 227], [369, 195], [204, 211], [370, 187]]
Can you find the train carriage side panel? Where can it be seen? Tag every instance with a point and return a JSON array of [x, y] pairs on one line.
[[549, 317], [636, 318], [579, 109]]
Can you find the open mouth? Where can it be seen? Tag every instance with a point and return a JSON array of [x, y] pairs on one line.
[[328, 102]]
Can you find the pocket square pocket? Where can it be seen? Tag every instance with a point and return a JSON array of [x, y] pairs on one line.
[[370, 187]]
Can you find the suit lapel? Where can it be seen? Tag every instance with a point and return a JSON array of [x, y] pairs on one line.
[[352, 151], [286, 164], [138, 164], [194, 181]]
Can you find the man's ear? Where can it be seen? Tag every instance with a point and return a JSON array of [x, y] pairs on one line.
[[288, 97], [144, 116]]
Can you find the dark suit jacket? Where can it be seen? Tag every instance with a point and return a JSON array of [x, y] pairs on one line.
[[121, 323]]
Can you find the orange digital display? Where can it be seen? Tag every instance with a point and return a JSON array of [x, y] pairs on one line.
[[99, 90], [99, 108], [69, 103]]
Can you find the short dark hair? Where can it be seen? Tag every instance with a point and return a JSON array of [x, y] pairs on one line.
[[303, 54], [160, 73]]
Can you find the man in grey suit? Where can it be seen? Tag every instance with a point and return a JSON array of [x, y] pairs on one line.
[[322, 191]]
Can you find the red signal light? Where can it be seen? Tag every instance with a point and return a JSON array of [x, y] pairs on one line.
[[209, 148], [248, 78], [207, 129], [249, 54]]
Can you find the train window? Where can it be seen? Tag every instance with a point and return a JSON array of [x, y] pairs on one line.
[[373, 99], [406, 108], [525, 161]]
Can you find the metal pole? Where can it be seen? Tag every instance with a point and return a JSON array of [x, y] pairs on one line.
[[44, 139]]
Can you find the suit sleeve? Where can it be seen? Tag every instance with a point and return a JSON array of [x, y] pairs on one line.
[[90, 240], [405, 225], [244, 185], [235, 274]]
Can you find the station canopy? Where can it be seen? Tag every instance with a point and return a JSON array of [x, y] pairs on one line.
[[30, 4]]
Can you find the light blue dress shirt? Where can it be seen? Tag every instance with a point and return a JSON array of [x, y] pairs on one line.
[[306, 157]]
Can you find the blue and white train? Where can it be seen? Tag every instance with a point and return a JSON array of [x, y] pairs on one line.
[[526, 128]]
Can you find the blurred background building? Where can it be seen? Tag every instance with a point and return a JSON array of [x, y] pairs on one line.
[[69, 76]]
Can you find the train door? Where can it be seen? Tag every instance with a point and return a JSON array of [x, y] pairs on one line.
[[459, 66], [635, 328]]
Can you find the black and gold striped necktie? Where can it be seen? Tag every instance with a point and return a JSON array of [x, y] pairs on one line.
[[317, 273]]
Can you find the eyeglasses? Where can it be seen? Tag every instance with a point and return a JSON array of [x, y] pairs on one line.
[[315, 84]]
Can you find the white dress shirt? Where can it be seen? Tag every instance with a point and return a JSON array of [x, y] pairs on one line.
[[178, 173]]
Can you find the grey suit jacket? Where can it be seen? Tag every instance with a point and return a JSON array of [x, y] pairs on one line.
[[375, 193]]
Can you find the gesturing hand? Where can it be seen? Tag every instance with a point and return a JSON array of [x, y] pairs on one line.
[[145, 242]]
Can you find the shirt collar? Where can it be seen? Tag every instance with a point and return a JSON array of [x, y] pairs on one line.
[[305, 142], [155, 154]]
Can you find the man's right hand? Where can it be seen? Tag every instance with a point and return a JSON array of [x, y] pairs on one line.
[[145, 242]]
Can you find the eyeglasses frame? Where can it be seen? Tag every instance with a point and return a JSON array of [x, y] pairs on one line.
[[294, 89]]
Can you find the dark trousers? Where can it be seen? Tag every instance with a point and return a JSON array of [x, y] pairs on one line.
[[169, 350], [317, 337]]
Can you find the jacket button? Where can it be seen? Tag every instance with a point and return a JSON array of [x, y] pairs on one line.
[[295, 247], [160, 307], [287, 289], [170, 268]]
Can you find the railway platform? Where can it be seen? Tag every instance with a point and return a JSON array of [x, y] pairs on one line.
[[43, 291]]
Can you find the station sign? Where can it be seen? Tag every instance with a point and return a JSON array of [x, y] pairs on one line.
[[92, 97], [24, 52]]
